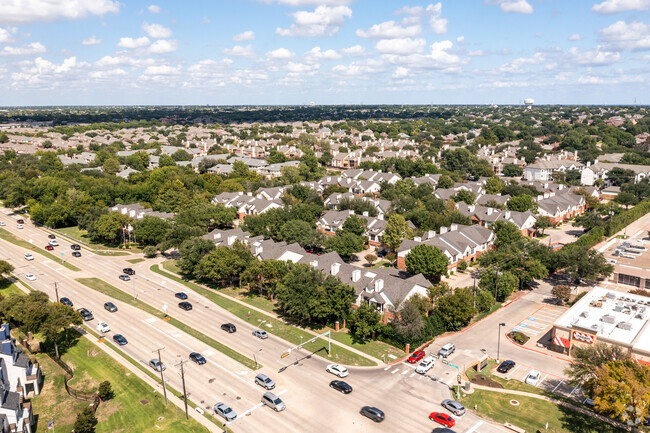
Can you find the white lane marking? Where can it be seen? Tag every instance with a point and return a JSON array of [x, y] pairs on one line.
[[412, 374], [510, 374], [558, 385], [208, 352], [405, 372], [388, 367], [572, 391], [473, 428], [150, 320], [394, 371], [257, 406], [540, 382]]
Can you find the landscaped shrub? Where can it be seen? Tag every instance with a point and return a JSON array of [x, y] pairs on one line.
[[518, 337]]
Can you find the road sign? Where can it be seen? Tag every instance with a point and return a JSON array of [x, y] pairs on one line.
[[453, 365], [62, 254]]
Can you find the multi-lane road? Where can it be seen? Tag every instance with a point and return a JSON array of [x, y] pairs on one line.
[[406, 397]]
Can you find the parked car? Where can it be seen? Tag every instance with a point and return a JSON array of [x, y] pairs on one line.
[[53, 242], [442, 418], [110, 307], [264, 381], [119, 339], [260, 334], [185, 305], [341, 386], [453, 407], [157, 365], [198, 358], [446, 350], [75, 247], [49, 247], [66, 301], [181, 295], [426, 365], [506, 366], [337, 370], [128, 271], [85, 314], [229, 328], [103, 327], [532, 378], [28, 256], [273, 401], [19, 226], [76, 254], [225, 411], [51, 236], [124, 277], [373, 413], [416, 356], [30, 277]]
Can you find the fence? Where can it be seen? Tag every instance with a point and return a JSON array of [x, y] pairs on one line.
[[69, 374]]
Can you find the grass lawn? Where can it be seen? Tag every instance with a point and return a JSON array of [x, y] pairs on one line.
[[10, 237], [112, 291], [124, 413], [287, 332], [76, 234], [134, 261], [532, 414], [7, 288]]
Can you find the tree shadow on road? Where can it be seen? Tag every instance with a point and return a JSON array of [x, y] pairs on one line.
[[576, 422]]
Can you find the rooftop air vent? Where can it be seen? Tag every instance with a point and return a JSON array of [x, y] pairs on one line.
[[608, 319]]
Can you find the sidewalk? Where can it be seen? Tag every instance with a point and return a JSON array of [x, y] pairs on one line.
[[379, 362]]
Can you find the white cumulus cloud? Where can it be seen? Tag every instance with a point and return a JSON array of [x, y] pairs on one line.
[[5, 36], [626, 36], [280, 54], [299, 3], [131, 43], [575, 37], [30, 11], [248, 35], [514, 6], [93, 40], [240, 51], [163, 46], [389, 30], [323, 21], [317, 54], [26, 50], [156, 31], [354, 51], [609, 7], [154, 9], [402, 46]]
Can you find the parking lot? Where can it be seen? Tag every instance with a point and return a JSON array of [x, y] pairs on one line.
[[538, 324]]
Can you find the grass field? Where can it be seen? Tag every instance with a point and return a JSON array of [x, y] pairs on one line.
[[123, 413], [134, 261], [75, 233], [7, 288], [532, 414], [112, 291], [287, 332], [10, 237]]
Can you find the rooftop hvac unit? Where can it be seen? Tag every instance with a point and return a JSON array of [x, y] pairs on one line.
[[625, 325], [584, 314], [608, 319], [610, 295]]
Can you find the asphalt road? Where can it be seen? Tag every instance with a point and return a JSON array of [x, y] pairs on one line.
[[406, 397]]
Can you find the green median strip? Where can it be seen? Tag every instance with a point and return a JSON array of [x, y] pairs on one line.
[[112, 291], [10, 237], [134, 261], [278, 328]]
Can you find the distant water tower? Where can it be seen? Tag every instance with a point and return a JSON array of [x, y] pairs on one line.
[[528, 102]]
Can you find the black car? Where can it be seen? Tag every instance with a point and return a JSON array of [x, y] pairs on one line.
[[373, 413], [341, 386], [229, 327], [51, 236], [75, 247], [506, 366], [128, 271], [185, 306], [181, 295], [198, 358], [124, 277], [442, 430], [119, 339], [66, 301], [110, 307], [76, 254], [86, 314]]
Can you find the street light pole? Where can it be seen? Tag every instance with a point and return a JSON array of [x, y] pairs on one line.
[[56, 292], [499, 341]]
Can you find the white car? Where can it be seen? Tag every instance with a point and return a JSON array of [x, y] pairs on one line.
[[30, 277], [337, 370], [103, 327], [426, 365], [19, 226], [28, 256], [53, 242], [2, 224], [533, 377]]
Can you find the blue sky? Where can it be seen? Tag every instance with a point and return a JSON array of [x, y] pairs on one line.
[[105, 52]]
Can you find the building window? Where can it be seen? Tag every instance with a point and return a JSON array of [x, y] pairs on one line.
[[647, 283], [629, 280]]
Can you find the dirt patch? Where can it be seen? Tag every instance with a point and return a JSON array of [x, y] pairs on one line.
[[106, 409], [82, 382], [485, 380]]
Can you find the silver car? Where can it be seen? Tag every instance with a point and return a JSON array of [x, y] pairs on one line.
[[156, 365], [225, 411], [264, 381], [453, 407]]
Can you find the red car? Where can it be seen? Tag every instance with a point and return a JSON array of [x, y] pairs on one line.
[[442, 418], [49, 247], [416, 356]]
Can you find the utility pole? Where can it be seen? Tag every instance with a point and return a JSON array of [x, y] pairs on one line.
[[162, 377], [187, 415], [56, 292], [496, 282]]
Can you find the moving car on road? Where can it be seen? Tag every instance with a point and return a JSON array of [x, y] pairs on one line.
[[76, 254], [28, 256], [416, 356], [373, 413], [222, 409], [124, 277], [66, 301], [119, 339], [128, 271], [264, 381], [103, 327], [532, 378], [260, 334], [51, 236], [2, 224], [506, 366], [337, 370], [181, 295], [30, 277], [426, 365], [442, 418], [157, 365], [49, 247], [53, 242], [341, 386], [453, 407], [185, 305], [229, 328], [85, 314], [75, 247], [446, 350], [198, 358], [110, 307], [19, 226], [273, 401]]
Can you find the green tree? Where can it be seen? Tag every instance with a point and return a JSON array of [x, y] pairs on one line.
[[86, 421], [582, 263], [506, 234], [561, 292], [225, 263], [151, 230], [178, 234], [494, 185], [587, 359], [543, 223], [181, 155], [166, 161], [105, 391], [150, 251], [457, 309], [191, 252], [397, 229], [6, 268], [371, 258], [59, 318], [622, 390], [465, 196], [427, 260], [410, 322], [522, 203], [301, 232], [138, 161], [4, 138], [512, 170], [627, 199], [111, 166], [109, 227], [484, 300], [445, 182], [345, 244], [355, 225], [504, 282]]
